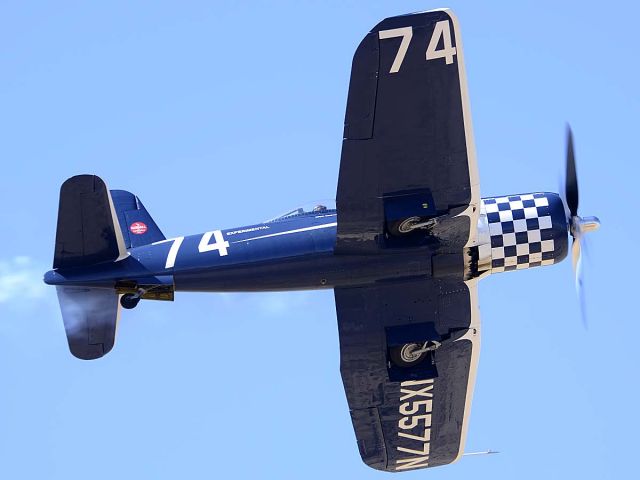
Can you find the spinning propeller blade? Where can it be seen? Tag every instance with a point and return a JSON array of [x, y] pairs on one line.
[[578, 226], [571, 178]]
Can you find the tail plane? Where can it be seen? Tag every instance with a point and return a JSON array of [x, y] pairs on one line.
[[95, 226]]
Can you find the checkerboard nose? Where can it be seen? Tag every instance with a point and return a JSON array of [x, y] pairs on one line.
[[524, 231]]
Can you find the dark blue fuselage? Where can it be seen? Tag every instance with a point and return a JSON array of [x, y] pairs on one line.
[[288, 254], [298, 252]]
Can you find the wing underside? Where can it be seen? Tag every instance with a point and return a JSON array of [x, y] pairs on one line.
[[408, 146], [408, 160], [409, 417]]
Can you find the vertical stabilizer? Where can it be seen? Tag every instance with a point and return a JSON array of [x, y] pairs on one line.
[[138, 228]]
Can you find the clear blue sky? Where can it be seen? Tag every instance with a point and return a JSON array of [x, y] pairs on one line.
[[223, 115]]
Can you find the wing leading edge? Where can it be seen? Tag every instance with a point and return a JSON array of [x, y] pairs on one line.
[[415, 417]]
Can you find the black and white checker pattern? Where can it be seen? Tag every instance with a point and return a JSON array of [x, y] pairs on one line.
[[521, 231]]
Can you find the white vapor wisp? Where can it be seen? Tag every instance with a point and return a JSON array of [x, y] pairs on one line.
[[20, 281]]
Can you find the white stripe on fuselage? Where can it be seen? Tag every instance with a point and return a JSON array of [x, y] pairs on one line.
[[288, 232]]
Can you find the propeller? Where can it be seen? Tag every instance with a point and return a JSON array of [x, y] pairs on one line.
[[578, 226]]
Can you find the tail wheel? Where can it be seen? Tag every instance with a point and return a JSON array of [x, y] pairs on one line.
[[407, 355], [129, 301]]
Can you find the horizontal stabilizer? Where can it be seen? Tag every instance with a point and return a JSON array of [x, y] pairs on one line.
[[88, 229], [90, 318]]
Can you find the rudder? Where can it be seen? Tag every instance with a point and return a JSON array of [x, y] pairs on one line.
[[137, 226]]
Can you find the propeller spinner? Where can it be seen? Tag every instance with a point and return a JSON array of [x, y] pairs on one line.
[[578, 226]]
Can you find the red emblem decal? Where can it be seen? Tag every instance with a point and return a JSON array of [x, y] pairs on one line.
[[138, 228]]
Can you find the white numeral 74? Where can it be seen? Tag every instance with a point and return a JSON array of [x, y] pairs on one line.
[[220, 244], [442, 30]]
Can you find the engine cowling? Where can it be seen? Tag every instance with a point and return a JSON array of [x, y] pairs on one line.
[[521, 231]]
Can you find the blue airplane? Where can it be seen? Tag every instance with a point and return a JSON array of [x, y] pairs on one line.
[[403, 249]]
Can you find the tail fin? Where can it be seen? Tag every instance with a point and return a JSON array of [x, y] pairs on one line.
[[137, 226]]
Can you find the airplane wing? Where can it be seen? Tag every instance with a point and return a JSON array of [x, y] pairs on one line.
[[408, 417], [408, 146], [409, 349]]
